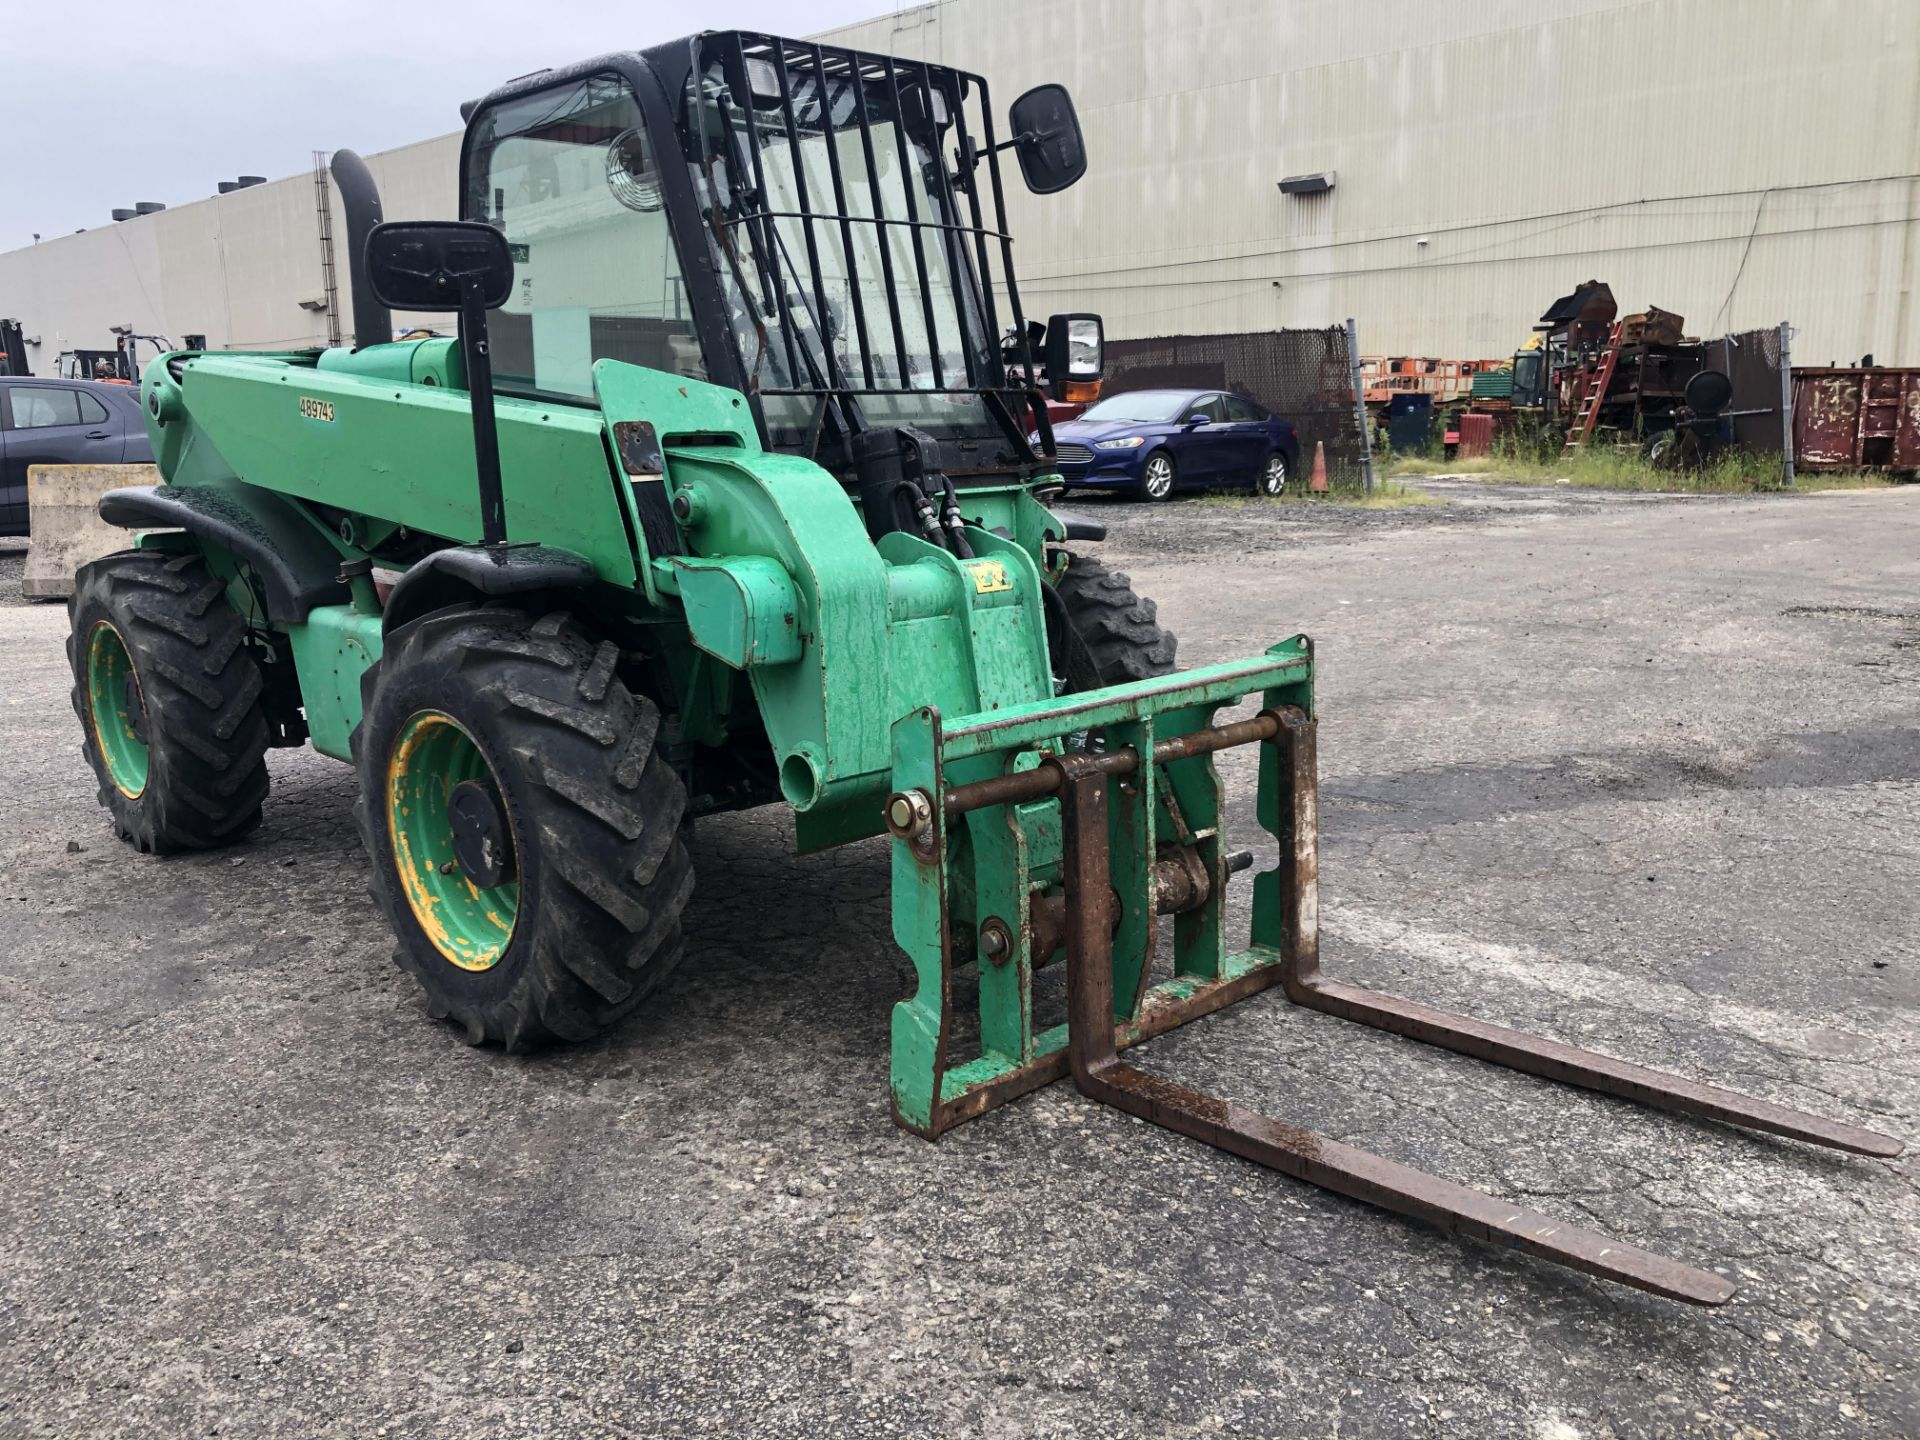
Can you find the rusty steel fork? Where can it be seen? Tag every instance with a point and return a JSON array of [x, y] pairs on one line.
[[1305, 984], [1080, 780]]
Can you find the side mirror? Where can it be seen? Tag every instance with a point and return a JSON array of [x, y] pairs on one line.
[[439, 265], [454, 265], [1199, 418], [1074, 351], [1046, 136]]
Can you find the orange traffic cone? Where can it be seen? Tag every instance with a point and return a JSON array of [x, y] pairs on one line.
[[1317, 481]]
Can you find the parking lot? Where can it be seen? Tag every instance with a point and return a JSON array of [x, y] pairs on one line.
[[1640, 773]]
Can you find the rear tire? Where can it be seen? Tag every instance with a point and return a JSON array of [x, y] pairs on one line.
[[580, 922], [1112, 635], [1273, 476], [168, 697]]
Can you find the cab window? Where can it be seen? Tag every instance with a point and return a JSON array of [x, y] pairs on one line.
[[1241, 409], [570, 177]]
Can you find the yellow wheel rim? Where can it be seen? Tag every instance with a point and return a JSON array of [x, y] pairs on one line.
[[116, 709], [469, 924]]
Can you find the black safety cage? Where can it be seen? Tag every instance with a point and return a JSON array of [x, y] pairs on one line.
[[818, 88], [899, 339]]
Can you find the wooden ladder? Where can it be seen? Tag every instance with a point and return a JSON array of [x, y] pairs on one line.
[[1594, 395]]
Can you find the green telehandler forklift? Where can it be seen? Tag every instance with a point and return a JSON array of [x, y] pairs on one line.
[[730, 492]]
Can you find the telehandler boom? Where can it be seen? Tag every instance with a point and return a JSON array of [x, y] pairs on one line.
[[729, 494]]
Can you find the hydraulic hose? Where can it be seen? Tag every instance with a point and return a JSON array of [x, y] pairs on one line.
[[929, 518], [956, 526]]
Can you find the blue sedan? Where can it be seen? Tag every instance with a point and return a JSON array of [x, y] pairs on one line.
[[1154, 442]]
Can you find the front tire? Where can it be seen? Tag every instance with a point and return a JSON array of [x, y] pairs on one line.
[[525, 831], [1111, 635], [1158, 477], [168, 697]]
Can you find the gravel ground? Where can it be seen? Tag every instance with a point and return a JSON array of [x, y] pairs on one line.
[[1639, 773], [13, 554]]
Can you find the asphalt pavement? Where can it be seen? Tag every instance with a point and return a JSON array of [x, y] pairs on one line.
[[1638, 773]]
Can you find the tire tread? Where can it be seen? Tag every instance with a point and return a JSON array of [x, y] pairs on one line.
[[207, 737], [1119, 629], [597, 802]]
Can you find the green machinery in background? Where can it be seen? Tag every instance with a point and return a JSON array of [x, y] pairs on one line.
[[732, 492]]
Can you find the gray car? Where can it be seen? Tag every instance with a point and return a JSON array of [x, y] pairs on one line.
[[63, 422]]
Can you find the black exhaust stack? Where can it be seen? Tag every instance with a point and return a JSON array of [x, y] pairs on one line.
[[360, 199]]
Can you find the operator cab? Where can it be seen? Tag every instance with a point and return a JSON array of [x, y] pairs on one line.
[[820, 229]]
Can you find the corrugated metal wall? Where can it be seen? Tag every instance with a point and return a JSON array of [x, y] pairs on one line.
[[234, 268], [1739, 161]]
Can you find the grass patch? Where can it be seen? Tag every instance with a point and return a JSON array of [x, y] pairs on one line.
[[1386, 496], [1731, 472], [1434, 465]]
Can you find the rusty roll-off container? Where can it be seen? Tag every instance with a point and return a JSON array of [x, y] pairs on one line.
[[1856, 418]]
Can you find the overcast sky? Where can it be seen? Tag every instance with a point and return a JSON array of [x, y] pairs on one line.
[[110, 102]]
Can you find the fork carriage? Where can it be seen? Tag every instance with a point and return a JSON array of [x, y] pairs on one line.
[[1015, 847]]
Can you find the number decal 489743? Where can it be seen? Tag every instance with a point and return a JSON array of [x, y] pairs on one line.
[[311, 409]]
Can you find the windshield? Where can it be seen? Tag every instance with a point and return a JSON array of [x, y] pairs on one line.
[[1526, 374], [569, 176], [1140, 406], [841, 237]]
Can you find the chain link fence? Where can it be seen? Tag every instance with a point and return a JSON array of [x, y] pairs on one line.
[[1305, 376]]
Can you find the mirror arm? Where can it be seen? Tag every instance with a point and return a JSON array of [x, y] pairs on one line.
[[476, 351], [1001, 409], [1042, 423]]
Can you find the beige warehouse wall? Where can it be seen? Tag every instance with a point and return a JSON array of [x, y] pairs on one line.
[[68, 292], [234, 267], [1534, 144], [1739, 161], [417, 182]]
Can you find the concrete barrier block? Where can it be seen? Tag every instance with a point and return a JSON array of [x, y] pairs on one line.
[[66, 530]]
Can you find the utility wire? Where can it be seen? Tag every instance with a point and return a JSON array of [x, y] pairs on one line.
[[1741, 269], [1480, 225], [1425, 265]]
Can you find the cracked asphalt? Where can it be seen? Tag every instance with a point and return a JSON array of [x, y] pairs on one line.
[[1638, 773]]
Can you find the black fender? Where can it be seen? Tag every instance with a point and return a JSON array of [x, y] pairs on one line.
[[298, 569], [465, 572], [1080, 527]]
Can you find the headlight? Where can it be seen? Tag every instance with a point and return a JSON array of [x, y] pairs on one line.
[[1130, 442]]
